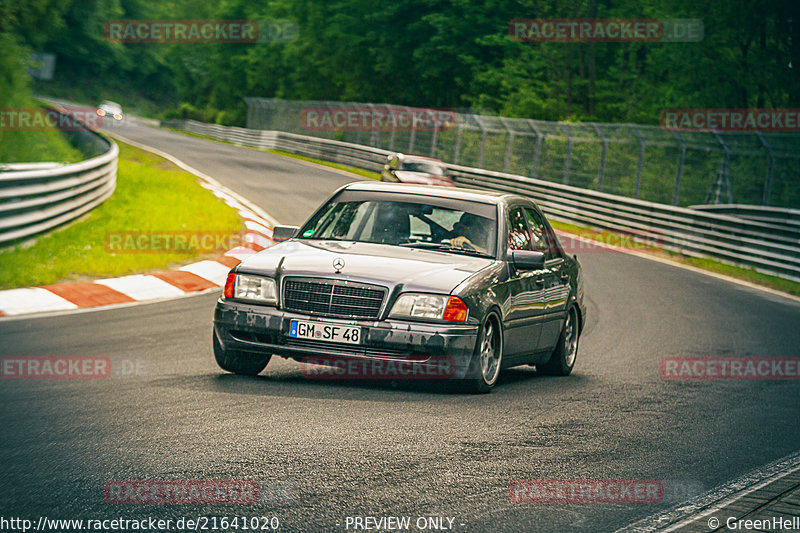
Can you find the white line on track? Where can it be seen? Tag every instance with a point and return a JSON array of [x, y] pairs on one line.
[[142, 287], [664, 261], [210, 270], [241, 199], [21, 301], [716, 499], [81, 310]]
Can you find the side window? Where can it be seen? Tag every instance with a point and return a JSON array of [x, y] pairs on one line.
[[543, 239], [519, 237]]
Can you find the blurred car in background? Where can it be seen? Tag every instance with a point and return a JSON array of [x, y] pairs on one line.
[[416, 169], [111, 109]]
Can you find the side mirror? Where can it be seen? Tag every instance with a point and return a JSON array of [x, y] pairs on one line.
[[527, 260], [284, 233]]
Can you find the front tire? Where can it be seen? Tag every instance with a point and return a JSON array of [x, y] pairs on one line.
[[485, 366], [243, 363], [563, 358]]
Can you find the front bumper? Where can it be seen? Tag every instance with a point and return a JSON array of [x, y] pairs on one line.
[[265, 330]]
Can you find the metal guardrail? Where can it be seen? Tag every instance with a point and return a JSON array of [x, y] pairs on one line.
[[34, 200], [17, 167], [768, 247], [773, 215], [649, 163]]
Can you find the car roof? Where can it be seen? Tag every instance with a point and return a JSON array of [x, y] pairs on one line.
[[474, 195]]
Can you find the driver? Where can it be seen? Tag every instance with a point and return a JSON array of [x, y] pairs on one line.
[[469, 230]]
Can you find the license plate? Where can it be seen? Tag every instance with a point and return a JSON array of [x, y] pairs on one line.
[[319, 331]]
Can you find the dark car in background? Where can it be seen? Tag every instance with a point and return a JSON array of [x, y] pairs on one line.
[[415, 169], [398, 272]]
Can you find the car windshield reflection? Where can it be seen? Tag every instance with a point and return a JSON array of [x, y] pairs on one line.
[[406, 224]]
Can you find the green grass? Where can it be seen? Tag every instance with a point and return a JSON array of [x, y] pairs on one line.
[[742, 273], [36, 146], [606, 237], [746, 274], [152, 195]]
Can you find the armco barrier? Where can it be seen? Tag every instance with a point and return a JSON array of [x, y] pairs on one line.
[[648, 162], [774, 215], [768, 247], [39, 197]]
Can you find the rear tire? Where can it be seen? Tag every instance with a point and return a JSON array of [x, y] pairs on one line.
[[244, 363], [563, 358], [484, 369]]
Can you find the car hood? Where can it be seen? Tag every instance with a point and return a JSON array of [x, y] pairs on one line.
[[422, 178], [409, 269]]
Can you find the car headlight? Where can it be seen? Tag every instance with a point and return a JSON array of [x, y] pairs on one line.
[[247, 287], [117, 116], [429, 306]]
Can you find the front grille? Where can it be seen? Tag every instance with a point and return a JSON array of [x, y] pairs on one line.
[[333, 298]]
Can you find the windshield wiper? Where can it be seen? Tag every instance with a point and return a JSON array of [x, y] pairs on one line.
[[440, 246]]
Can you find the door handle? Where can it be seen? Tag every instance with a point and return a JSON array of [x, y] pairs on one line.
[[539, 281]]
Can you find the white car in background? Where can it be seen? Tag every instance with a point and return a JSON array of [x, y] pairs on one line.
[[111, 109]]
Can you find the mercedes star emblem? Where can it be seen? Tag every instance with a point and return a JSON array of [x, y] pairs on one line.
[[338, 264]]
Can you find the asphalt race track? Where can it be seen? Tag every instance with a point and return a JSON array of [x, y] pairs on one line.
[[324, 450]]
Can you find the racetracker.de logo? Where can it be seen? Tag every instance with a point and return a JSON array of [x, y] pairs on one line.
[[200, 31], [384, 118], [180, 492], [331, 367], [586, 491], [171, 242], [742, 120], [572, 30], [38, 119], [595, 242], [73, 367], [729, 368], [56, 367]]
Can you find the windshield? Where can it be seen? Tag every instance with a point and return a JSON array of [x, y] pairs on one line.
[[111, 107], [460, 229], [422, 166]]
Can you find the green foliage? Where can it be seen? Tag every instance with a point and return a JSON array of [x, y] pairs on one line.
[[13, 79], [440, 53], [25, 146]]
